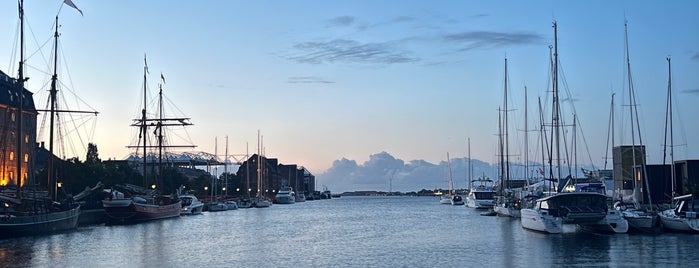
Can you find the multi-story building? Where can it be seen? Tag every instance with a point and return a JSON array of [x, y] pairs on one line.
[[9, 131]]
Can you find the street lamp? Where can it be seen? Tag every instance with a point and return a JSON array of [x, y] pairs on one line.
[[153, 186]]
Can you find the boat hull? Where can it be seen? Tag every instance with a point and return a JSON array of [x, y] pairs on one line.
[[193, 209], [672, 222], [507, 211], [479, 203], [541, 221], [137, 212], [613, 222], [45, 223]]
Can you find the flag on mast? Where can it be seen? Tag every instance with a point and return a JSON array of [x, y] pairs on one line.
[[71, 4], [162, 77]]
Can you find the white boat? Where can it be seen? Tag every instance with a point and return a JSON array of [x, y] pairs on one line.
[[451, 198], [215, 206], [300, 197], [245, 203], [507, 206], [261, 202], [231, 205], [191, 205], [683, 218], [482, 196], [456, 200], [586, 209], [285, 195]]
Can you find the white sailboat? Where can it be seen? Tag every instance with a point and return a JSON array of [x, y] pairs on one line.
[[683, 216], [640, 219], [260, 201]]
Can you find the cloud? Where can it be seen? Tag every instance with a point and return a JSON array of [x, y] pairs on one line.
[[482, 15], [348, 51], [307, 80], [383, 172], [691, 91], [696, 56], [486, 40], [341, 21]]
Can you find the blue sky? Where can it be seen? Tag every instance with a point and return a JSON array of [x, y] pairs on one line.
[[325, 80]]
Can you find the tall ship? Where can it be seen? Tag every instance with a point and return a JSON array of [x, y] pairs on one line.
[[28, 209], [151, 204]]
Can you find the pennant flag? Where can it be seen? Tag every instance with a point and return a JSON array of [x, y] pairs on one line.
[[162, 77], [71, 4], [145, 62]]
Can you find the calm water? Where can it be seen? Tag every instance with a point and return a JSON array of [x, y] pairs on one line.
[[344, 232]]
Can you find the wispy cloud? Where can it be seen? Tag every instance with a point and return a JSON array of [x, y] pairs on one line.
[[696, 56], [691, 91], [307, 80], [481, 15], [349, 51], [486, 39], [341, 21]]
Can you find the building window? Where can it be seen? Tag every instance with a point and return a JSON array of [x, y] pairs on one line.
[[12, 156], [13, 117], [26, 138], [26, 158]]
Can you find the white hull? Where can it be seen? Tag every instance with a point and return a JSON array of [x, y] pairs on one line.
[[261, 203], [213, 207], [507, 211], [231, 205], [193, 209], [479, 203], [672, 222], [641, 221], [540, 221], [444, 200]]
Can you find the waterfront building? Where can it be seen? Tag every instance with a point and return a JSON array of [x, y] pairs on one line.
[[9, 101]]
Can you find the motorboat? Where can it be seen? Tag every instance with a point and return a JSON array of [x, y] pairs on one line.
[[588, 210], [285, 195], [231, 205], [215, 206], [300, 197], [457, 200], [482, 196], [191, 205]]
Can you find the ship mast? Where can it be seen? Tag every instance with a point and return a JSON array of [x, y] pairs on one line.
[[53, 191], [20, 104]]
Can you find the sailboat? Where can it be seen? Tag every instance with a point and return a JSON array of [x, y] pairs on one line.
[[261, 200], [506, 203], [30, 212], [587, 210], [151, 205], [639, 219], [454, 199], [683, 217]]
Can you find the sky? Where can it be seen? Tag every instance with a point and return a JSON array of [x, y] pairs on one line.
[[324, 81]]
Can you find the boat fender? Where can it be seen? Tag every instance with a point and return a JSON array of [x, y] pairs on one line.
[[618, 205]]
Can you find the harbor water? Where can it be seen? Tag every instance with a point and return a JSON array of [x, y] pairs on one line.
[[344, 232]]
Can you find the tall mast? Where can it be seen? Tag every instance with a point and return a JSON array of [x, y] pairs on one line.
[[225, 168], [247, 170], [451, 183], [160, 180], [501, 171], [634, 117], [506, 149], [259, 169], [556, 110], [610, 133], [668, 125], [470, 171], [53, 192], [526, 139], [144, 126]]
